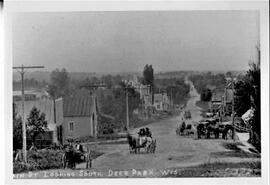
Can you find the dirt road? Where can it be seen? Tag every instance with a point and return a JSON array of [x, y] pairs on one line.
[[172, 151]]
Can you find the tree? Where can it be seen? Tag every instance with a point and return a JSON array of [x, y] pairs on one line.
[[114, 104], [242, 100], [17, 130], [60, 82], [148, 78], [59, 86], [254, 79], [206, 95], [229, 74], [107, 80], [36, 123], [247, 94]]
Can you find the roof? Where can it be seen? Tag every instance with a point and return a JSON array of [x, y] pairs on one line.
[[45, 106], [248, 115], [78, 106]]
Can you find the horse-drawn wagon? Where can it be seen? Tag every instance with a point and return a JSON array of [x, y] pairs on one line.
[[187, 114], [72, 156], [211, 126], [185, 130], [143, 140]]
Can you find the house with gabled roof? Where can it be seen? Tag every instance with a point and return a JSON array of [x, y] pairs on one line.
[[70, 117], [80, 117]]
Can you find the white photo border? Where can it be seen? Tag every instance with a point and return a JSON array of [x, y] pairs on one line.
[[11, 7]]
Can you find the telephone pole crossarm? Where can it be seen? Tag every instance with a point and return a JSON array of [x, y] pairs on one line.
[[28, 67]]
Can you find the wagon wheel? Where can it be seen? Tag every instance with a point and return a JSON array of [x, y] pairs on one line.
[[155, 146]]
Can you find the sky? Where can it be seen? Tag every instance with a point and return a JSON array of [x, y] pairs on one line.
[[120, 41]]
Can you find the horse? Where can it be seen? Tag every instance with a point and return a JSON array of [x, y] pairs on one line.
[[201, 130], [68, 157], [180, 129], [212, 129], [227, 129], [135, 143], [71, 157]]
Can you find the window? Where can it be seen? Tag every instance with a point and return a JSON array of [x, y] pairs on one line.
[[71, 126]]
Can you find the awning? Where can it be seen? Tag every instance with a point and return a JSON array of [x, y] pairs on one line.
[[248, 115]]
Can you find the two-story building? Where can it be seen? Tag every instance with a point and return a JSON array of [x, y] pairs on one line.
[[222, 102], [161, 101]]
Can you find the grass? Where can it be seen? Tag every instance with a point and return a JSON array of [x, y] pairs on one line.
[[219, 169], [234, 151], [223, 169]]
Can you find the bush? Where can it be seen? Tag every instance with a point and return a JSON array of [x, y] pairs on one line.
[[206, 95], [40, 160], [19, 167]]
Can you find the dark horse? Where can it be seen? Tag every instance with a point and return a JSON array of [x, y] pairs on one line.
[[69, 159], [134, 143], [228, 129], [212, 129]]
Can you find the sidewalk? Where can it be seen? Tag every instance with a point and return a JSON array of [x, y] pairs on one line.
[[247, 147]]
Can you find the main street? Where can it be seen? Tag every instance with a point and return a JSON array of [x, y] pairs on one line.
[[172, 151]]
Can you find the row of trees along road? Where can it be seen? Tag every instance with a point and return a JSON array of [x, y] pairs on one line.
[[204, 82], [175, 87]]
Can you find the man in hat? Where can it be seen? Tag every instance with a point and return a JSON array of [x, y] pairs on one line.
[[79, 147]]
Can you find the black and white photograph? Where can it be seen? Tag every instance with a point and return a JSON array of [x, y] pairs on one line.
[[137, 94]]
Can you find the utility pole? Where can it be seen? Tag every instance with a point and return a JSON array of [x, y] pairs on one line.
[[127, 108], [233, 134], [127, 111], [172, 104], [21, 70], [225, 101]]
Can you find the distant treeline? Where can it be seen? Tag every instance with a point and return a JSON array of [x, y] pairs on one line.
[[204, 83], [175, 87], [107, 80], [29, 84]]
